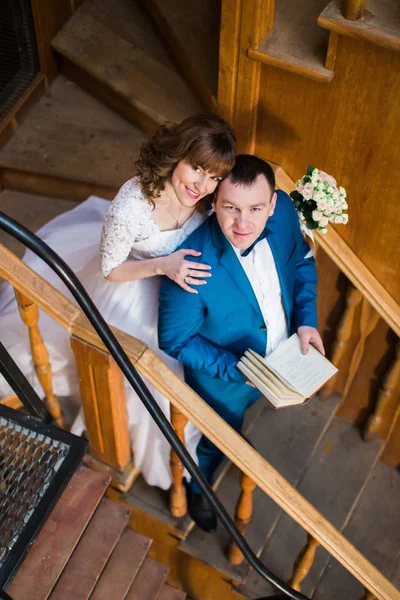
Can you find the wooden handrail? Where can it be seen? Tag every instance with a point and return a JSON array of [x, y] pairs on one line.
[[350, 265], [210, 424]]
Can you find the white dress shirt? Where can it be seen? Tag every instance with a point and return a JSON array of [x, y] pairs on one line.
[[259, 266]]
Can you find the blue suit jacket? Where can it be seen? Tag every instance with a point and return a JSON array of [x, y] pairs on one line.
[[208, 332]]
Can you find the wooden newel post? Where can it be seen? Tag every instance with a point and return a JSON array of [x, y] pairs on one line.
[[303, 563], [30, 315], [103, 395], [243, 514], [354, 9], [178, 499]]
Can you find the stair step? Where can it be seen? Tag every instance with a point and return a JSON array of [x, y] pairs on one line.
[[92, 553], [373, 529], [129, 19], [286, 438], [142, 88], [123, 566], [31, 210], [191, 30], [380, 24], [332, 482], [297, 43], [170, 593], [59, 536], [149, 581], [68, 153]]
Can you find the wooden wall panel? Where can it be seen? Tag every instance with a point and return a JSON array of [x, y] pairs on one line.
[[349, 128]]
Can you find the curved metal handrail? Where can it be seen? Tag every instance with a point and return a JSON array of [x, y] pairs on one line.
[[58, 265]]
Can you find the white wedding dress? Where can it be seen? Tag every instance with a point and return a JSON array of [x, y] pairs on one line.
[[128, 231]]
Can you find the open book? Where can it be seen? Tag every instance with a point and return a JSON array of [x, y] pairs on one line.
[[287, 377]]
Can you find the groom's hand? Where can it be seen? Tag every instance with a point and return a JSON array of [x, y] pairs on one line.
[[310, 335]]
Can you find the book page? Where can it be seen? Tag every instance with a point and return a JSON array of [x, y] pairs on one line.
[[305, 373], [269, 378], [266, 390]]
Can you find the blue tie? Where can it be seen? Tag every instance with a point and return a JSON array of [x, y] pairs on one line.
[[262, 237]]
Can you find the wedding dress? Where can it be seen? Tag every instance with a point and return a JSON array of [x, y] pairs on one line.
[[128, 231]]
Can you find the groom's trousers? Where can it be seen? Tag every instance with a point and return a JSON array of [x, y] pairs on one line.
[[231, 406]]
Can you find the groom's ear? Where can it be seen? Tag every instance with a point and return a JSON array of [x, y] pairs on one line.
[[273, 204]]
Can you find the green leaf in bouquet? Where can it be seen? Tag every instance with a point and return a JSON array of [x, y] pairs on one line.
[[295, 195], [307, 179], [311, 224], [310, 169]]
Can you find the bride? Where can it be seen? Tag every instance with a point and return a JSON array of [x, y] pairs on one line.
[[152, 214]]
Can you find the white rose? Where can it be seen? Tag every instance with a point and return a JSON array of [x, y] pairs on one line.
[[338, 219], [342, 192], [317, 215], [321, 187], [323, 230], [323, 222], [345, 219]]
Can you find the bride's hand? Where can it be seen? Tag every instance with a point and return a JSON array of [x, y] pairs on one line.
[[183, 271]]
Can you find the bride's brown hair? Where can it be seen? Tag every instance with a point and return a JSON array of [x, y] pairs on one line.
[[204, 141]]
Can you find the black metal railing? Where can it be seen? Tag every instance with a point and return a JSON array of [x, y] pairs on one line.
[[57, 264]]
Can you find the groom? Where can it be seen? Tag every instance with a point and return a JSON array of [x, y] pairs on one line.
[[262, 289]]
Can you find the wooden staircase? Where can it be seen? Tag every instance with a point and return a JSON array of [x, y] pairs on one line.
[[113, 61], [85, 551], [102, 54]]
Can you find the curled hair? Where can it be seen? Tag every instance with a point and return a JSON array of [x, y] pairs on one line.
[[204, 141]]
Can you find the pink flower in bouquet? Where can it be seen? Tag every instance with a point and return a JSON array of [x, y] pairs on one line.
[[327, 178], [317, 215], [328, 209], [308, 191], [300, 188], [323, 222]]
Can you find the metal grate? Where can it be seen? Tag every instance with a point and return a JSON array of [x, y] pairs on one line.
[[36, 462], [18, 54]]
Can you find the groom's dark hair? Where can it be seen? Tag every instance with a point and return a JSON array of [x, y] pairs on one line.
[[248, 167]]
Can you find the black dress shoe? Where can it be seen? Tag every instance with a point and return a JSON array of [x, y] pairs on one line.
[[202, 512]]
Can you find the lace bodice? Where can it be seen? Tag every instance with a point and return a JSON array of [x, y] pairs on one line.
[[129, 230]]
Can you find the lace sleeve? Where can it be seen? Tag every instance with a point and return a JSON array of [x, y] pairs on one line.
[[123, 224]]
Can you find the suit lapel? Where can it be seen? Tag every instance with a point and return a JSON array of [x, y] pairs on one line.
[[229, 261]]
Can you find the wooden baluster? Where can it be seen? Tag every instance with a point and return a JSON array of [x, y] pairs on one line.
[[343, 334], [390, 382], [368, 322], [12, 402], [354, 9], [303, 563], [30, 316], [368, 596], [103, 395], [178, 499], [243, 513]]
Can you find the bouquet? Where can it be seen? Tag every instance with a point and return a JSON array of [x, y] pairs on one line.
[[319, 200]]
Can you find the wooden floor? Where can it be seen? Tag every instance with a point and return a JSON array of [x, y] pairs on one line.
[[328, 462]]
